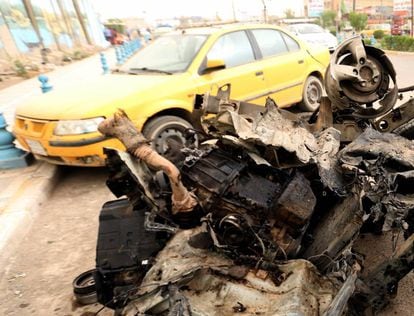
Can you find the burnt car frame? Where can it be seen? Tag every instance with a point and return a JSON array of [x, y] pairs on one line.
[[271, 203]]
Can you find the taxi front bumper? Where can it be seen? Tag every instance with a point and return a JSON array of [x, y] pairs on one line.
[[77, 150]]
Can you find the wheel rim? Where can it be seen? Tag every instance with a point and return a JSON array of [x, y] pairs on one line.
[[313, 93], [176, 134], [86, 281]]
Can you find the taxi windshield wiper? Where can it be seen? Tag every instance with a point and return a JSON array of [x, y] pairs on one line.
[[150, 70]]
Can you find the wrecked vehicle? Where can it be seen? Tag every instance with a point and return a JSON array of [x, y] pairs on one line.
[[156, 87], [261, 218]]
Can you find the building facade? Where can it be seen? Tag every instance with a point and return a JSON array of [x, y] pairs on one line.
[[356, 5], [29, 25]]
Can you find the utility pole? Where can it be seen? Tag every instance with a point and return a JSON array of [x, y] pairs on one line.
[[412, 33], [68, 24], [264, 11], [338, 20], [33, 21], [234, 11], [81, 21], [353, 5]]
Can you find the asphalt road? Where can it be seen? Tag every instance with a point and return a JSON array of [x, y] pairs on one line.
[[404, 66], [62, 243]]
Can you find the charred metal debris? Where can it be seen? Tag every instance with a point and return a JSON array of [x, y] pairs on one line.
[[261, 218]]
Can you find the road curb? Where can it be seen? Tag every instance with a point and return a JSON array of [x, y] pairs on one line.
[[22, 209], [397, 52]]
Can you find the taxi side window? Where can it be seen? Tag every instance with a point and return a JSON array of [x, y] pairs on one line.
[[234, 48], [291, 43], [270, 42]]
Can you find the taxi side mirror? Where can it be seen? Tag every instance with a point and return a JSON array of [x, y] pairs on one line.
[[214, 65]]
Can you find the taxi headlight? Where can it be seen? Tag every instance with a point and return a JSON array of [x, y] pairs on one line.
[[77, 127]]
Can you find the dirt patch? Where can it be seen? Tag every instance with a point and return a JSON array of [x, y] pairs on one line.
[[8, 81], [376, 248], [60, 245]]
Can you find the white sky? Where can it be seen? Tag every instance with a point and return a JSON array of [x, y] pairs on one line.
[[165, 9]]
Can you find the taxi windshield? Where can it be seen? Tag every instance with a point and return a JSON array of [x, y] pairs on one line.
[[167, 54]]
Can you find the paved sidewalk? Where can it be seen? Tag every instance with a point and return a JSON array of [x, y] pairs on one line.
[[23, 191], [60, 244]]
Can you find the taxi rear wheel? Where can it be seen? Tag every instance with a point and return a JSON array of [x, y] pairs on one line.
[[312, 94], [164, 129]]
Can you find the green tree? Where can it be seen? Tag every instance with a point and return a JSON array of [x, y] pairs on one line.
[[289, 14], [344, 9], [116, 24], [358, 21], [328, 18], [378, 34]]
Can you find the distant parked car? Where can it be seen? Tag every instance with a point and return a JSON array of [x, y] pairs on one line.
[[161, 30], [314, 34], [157, 88], [146, 35]]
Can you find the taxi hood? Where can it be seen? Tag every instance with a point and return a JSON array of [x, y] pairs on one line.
[[98, 97]]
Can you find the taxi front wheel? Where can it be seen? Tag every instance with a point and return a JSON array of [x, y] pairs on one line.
[[312, 94], [164, 130]]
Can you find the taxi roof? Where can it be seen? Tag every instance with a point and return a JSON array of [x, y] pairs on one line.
[[210, 29]]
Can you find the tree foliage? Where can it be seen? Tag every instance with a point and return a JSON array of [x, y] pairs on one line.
[[290, 14], [400, 43], [328, 18], [116, 24], [378, 34], [358, 21]]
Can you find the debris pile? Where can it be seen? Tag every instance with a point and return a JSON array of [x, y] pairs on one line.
[[258, 219]]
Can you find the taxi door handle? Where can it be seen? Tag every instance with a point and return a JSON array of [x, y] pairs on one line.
[[300, 61], [259, 73]]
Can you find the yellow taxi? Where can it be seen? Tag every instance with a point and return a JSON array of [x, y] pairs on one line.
[[157, 87]]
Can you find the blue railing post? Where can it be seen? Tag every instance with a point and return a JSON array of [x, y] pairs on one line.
[[339, 37], [124, 45], [104, 63], [122, 53], [118, 55], [10, 156], [45, 86], [131, 50]]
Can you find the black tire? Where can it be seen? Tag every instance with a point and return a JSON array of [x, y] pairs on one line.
[[86, 299], [162, 128], [84, 283], [312, 94]]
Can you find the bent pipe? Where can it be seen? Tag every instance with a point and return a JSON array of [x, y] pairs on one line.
[[121, 127]]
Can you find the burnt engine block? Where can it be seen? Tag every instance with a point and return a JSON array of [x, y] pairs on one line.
[[250, 203], [254, 211]]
